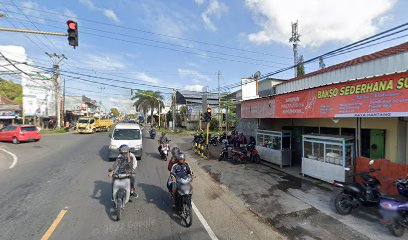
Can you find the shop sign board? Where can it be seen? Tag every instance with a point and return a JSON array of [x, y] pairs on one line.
[[384, 96]]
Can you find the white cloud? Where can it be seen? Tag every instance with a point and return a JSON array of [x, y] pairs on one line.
[[103, 62], [215, 8], [146, 78], [199, 2], [319, 21], [122, 104], [69, 13], [195, 87], [193, 75], [109, 13]]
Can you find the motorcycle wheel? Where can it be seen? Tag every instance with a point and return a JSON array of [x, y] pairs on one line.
[[342, 203], [221, 157], [396, 228], [187, 212], [257, 159], [235, 159], [118, 209]]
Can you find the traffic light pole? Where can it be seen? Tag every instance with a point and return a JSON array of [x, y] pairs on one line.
[[33, 31]]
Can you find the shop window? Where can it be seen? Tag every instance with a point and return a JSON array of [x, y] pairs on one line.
[[310, 130], [330, 131], [351, 132], [373, 143], [314, 150]]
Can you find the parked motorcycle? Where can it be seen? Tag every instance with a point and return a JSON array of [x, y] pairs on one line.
[[183, 199], [121, 182], [226, 153], [213, 141], [394, 209], [153, 133], [354, 195], [164, 150], [246, 154]]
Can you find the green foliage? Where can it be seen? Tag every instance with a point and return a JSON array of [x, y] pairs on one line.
[[147, 100], [115, 112], [214, 124], [11, 90], [54, 131]]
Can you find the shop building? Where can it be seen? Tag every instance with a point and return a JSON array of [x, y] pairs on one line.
[[10, 112], [337, 117]]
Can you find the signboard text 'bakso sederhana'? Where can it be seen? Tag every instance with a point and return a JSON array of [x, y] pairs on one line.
[[363, 88]]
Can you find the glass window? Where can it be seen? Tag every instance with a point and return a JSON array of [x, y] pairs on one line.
[[92, 121], [330, 131], [126, 134], [314, 151], [12, 128], [29, 129], [259, 140], [334, 154], [83, 120]]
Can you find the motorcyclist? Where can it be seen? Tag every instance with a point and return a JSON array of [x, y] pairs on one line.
[[179, 170], [163, 139], [125, 163], [175, 151]]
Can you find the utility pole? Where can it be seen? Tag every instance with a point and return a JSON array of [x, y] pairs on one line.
[[295, 39], [219, 104], [321, 63], [56, 78], [63, 105], [174, 109], [100, 98]]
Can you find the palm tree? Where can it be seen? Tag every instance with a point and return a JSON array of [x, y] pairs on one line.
[[147, 99]]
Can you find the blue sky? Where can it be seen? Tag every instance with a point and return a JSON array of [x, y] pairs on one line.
[[260, 27]]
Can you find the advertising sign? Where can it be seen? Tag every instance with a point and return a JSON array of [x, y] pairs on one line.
[[249, 88], [38, 96], [384, 96]]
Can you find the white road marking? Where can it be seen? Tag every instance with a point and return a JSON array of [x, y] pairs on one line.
[[204, 223], [13, 155]]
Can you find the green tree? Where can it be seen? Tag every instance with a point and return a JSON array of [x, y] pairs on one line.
[[148, 100], [115, 112], [300, 67], [11, 90]]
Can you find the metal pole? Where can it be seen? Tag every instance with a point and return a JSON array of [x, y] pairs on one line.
[[159, 114], [219, 104], [63, 105], [33, 31], [174, 109]]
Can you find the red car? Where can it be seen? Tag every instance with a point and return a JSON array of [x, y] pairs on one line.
[[20, 133]]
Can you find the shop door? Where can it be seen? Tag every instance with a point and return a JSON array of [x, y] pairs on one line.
[[296, 145], [377, 143]]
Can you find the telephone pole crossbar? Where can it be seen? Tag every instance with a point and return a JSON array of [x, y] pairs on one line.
[[32, 31]]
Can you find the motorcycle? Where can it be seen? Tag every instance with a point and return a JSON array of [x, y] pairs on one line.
[[354, 195], [164, 150], [394, 209], [247, 153], [226, 151], [152, 134], [121, 182], [183, 199], [213, 141]]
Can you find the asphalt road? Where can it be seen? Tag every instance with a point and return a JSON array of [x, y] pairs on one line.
[[70, 172]]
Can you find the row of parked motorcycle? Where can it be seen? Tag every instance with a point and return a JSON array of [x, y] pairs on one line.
[[231, 150], [393, 209]]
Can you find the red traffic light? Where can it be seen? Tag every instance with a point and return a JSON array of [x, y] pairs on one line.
[[71, 24]]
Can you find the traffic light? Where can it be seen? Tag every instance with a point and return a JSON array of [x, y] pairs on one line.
[[72, 33], [209, 114]]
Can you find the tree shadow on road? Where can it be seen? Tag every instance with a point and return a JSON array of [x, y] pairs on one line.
[[103, 193], [161, 198]]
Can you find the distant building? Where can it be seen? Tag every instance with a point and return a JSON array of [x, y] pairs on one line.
[[10, 112]]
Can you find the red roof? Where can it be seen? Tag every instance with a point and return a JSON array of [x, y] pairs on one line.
[[380, 54]]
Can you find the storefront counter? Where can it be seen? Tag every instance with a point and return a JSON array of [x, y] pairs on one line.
[[274, 146]]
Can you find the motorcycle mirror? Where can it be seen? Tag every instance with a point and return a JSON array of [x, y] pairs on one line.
[[371, 162]]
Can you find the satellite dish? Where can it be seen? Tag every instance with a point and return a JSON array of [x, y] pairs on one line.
[[257, 74]]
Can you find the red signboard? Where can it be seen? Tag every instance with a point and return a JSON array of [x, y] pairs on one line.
[[385, 96]]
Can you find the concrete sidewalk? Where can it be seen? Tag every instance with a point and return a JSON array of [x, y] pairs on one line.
[[297, 207]]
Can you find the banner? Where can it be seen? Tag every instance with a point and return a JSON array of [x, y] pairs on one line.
[[384, 96]]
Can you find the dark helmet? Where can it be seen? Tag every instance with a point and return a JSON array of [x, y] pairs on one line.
[[175, 150], [124, 149], [181, 156]]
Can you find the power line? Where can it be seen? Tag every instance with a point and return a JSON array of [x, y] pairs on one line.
[[154, 33], [343, 50]]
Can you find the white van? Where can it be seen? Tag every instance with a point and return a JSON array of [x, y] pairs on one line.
[[129, 134]]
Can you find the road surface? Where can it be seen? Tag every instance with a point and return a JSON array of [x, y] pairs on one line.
[[68, 173]]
